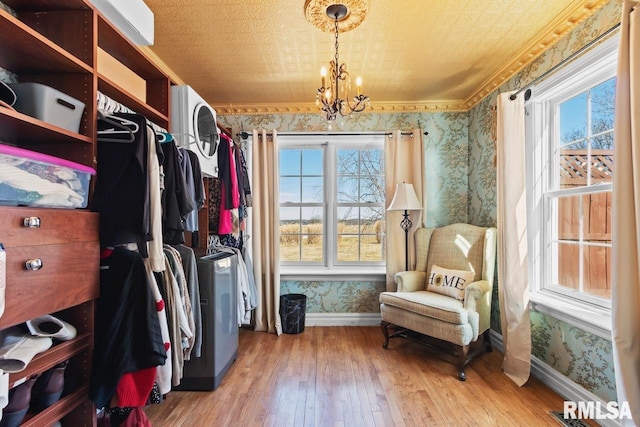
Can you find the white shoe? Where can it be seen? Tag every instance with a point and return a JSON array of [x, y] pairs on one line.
[[51, 327], [4, 390], [17, 348]]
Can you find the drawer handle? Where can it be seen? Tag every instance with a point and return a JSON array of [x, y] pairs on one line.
[[31, 222], [33, 264]]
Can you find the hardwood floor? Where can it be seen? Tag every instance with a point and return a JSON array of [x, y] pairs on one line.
[[341, 376]]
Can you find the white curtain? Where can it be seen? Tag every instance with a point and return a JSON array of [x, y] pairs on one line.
[[625, 297], [265, 229], [513, 284], [404, 162]]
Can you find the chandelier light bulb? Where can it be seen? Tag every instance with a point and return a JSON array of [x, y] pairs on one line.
[[359, 85]]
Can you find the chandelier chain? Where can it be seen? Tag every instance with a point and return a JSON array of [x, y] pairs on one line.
[[336, 45]]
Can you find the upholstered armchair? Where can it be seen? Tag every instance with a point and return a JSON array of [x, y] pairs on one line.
[[446, 302]]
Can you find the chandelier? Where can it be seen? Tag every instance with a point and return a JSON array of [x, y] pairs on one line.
[[334, 96]]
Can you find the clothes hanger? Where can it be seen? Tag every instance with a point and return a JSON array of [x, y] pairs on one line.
[[117, 128], [163, 137], [131, 125]]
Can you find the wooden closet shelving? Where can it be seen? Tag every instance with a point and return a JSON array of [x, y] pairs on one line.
[[56, 43], [156, 105]]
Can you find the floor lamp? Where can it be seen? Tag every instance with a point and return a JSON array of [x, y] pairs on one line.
[[405, 199]]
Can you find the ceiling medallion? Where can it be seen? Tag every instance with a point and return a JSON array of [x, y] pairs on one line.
[[316, 12]]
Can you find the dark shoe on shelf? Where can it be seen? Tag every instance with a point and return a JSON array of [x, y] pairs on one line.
[[19, 399], [48, 388]]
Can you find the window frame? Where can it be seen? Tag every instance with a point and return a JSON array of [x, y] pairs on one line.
[[330, 143], [590, 313]]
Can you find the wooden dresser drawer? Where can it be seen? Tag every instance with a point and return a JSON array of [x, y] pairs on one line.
[[54, 226], [69, 276]]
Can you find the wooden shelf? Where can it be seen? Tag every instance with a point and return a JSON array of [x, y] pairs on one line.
[[62, 407], [117, 93], [50, 358], [25, 51], [20, 129], [45, 5], [117, 45]]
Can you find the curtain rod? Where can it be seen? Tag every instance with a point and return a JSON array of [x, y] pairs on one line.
[[526, 87], [245, 135]]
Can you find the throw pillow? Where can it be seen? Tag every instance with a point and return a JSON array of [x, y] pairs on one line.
[[449, 282]]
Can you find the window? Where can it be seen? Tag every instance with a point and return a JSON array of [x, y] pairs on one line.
[[570, 147], [332, 202]]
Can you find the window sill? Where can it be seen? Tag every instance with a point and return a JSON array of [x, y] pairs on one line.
[[335, 274], [591, 319]]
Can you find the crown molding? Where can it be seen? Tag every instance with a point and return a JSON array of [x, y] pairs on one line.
[[554, 31], [311, 108]]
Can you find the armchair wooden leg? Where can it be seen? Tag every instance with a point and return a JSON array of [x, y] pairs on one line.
[[463, 351], [486, 336], [384, 326]]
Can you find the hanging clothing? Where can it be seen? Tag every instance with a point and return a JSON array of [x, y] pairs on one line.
[[215, 201], [246, 290], [253, 289], [246, 184], [187, 326], [227, 172], [176, 203], [127, 332], [199, 194], [189, 264], [121, 194], [195, 189], [134, 388], [156, 255], [164, 372]]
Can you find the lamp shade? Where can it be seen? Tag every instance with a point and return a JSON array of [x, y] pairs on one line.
[[405, 199]]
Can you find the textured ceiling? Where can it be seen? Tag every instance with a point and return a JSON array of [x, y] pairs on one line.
[[264, 56]]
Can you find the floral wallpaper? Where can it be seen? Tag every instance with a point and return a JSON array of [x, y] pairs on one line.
[[337, 297], [584, 358]]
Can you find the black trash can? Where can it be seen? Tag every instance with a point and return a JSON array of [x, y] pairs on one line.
[[292, 310]]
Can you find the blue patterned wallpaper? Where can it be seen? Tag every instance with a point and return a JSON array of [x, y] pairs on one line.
[[337, 296], [583, 357]]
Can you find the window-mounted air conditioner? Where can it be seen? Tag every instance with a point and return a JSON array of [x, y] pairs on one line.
[[132, 17]]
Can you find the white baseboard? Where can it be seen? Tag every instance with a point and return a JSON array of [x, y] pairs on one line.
[[342, 319], [557, 382]]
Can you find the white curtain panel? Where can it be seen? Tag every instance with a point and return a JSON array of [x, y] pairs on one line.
[[513, 282], [404, 162], [265, 228], [625, 298]]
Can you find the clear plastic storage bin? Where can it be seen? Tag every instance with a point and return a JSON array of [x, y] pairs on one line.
[[28, 178]]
